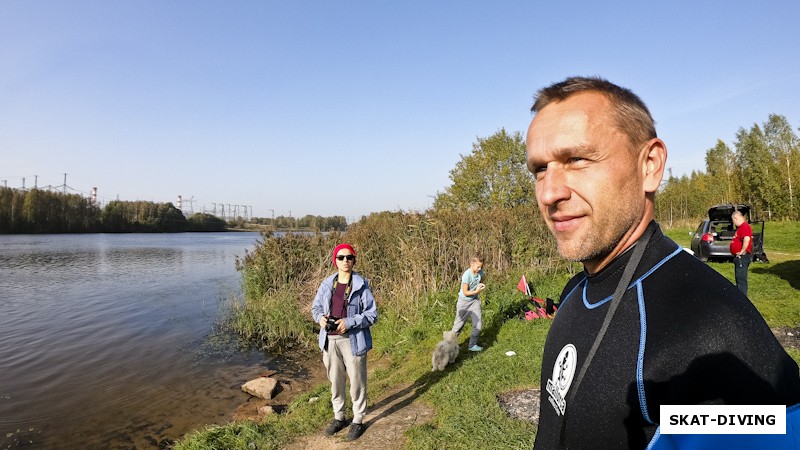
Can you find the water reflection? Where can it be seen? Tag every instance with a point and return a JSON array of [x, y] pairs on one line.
[[103, 338]]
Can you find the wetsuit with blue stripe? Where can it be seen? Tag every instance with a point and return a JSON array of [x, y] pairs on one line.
[[683, 335]]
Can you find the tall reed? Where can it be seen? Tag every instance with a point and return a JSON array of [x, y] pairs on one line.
[[405, 255], [278, 279]]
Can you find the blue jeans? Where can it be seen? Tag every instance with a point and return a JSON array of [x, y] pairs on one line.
[[740, 265]]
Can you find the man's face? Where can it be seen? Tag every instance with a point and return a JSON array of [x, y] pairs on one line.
[[737, 219], [589, 184]]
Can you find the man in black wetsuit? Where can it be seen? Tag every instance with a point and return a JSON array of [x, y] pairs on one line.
[[645, 324]]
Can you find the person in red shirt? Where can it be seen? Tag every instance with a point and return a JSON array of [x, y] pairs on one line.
[[742, 250]]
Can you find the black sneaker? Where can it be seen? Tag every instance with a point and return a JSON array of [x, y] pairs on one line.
[[355, 431], [335, 426]]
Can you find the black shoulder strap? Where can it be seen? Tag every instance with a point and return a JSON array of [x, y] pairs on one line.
[[622, 286]]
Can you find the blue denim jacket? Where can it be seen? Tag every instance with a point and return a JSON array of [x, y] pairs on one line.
[[361, 313]]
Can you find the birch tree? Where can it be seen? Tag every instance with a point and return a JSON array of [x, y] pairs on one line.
[[782, 143], [721, 168]]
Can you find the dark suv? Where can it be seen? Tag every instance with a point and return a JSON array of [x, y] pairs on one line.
[[713, 237]]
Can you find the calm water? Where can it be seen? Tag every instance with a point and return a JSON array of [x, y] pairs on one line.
[[106, 340]]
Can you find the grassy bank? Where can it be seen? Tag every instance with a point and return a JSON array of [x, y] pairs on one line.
[[465, 395]]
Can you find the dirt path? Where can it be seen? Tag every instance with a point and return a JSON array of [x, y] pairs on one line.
[[386, 421], [788, 337]]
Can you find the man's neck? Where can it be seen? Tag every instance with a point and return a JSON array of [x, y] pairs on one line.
[[628, 239]]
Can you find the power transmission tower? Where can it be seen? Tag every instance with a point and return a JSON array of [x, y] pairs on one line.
[[191, 202]]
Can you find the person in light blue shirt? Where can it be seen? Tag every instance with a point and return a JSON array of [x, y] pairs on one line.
[[469, 304]]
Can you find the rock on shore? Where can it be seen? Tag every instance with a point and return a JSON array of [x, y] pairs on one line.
[[261, 387]]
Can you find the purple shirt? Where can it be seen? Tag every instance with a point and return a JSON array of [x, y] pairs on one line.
[[338, 303]]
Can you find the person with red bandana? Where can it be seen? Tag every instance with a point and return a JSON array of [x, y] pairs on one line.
[[741, 249], [345, 309]]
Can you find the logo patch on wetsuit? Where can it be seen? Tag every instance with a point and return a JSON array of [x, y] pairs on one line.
[[560, 381]]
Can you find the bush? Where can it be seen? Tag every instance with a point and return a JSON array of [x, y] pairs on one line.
[[206, 222]]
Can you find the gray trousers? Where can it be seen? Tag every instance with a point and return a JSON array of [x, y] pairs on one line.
[[340, 363], [469, 309]]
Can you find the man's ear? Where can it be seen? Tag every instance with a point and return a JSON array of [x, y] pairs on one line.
[[653, 160]]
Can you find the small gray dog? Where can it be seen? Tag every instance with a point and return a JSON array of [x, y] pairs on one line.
[[446, 351]]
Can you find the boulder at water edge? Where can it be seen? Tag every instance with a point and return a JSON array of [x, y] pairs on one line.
[[261, 387]]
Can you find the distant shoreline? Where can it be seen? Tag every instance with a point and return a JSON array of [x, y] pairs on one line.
[[251, 229]]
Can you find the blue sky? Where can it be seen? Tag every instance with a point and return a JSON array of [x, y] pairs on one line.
[[349, 107]]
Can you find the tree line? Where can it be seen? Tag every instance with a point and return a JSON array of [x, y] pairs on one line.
[[42, 211], [762, 169], [309, 222]]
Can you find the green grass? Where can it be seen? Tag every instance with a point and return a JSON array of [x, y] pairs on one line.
[[465, 394], [782, 237], [679, 235], [468, 414], [774, 289], [303, 417]]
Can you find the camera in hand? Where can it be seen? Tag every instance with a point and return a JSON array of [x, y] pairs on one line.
[[331, 325]]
